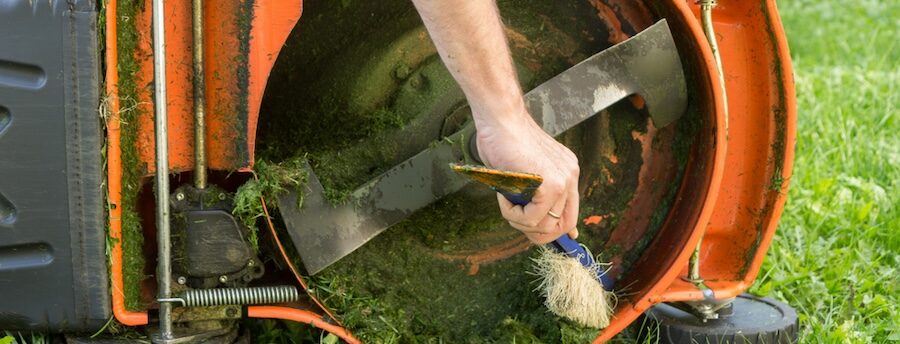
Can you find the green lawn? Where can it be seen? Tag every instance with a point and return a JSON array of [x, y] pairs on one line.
[[836, 257]]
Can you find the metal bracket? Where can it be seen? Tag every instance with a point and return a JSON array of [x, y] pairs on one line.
[[707, 309]]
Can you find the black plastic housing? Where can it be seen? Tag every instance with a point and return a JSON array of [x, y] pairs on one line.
[[53, 273]]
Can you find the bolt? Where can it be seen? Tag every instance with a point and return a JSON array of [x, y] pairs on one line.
[[222, 196], [179, 196], [223, 278], [182, 280], [231, 312]]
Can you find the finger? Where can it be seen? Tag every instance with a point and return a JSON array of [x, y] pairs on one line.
[[541, 239], [557, 211], [535, 237], [549, 195], [547, 226], [569, 219], [553, 224], [510, 211], [573, 234], [531, 214]]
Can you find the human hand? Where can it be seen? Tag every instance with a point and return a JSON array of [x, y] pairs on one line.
[[517, 143]]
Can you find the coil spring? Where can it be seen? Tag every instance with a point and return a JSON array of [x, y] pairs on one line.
[[240, 296]]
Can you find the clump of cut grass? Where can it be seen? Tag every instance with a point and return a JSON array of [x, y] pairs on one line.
[[272, 180], [373, 321]]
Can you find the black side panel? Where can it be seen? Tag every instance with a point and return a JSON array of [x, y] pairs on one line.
[[53, 273]]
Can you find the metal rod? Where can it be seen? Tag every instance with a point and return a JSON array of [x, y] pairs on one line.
[[694, 265], [163, 265], [706, 7], [199, 99]]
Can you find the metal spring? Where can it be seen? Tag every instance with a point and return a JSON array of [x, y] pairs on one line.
[[240, 296]]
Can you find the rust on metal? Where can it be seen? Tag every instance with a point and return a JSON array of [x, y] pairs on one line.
[[652, 187], [516, 182]]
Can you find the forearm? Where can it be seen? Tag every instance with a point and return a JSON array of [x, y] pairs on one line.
[[470, 38]]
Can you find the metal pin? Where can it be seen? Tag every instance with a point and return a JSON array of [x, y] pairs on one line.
[[164, 259], [199, 98]]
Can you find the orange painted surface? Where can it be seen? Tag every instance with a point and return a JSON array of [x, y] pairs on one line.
[[271, 25], [231, 113], [633, 224], [738, 185], [302, 316], [758, 159], [178, 78], [762, 121], [114, 175], [660, 266]]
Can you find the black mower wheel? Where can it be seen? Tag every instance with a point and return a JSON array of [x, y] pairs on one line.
[[753, 320]]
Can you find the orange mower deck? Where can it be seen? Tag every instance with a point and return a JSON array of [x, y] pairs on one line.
[[732, 194]]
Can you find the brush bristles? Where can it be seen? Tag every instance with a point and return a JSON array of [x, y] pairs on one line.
[[571, 290]]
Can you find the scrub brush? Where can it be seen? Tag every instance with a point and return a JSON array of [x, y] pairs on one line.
[[574, 285]]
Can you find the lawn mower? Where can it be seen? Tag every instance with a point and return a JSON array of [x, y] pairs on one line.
[[175, 171]]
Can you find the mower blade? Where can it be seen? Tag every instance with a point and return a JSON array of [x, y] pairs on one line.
[[646, 64]]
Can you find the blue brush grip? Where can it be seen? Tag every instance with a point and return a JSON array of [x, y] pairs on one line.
[[564, 244], [573, 249], [515, 198]]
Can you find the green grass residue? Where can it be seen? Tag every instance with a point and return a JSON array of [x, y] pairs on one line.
[[132, 168], [273, 179]]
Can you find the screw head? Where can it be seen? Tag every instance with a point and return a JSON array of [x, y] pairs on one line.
[[179, 196], [182, 280], [223, 278]]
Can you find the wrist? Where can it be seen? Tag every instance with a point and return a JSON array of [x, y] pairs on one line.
[[504, 112]]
